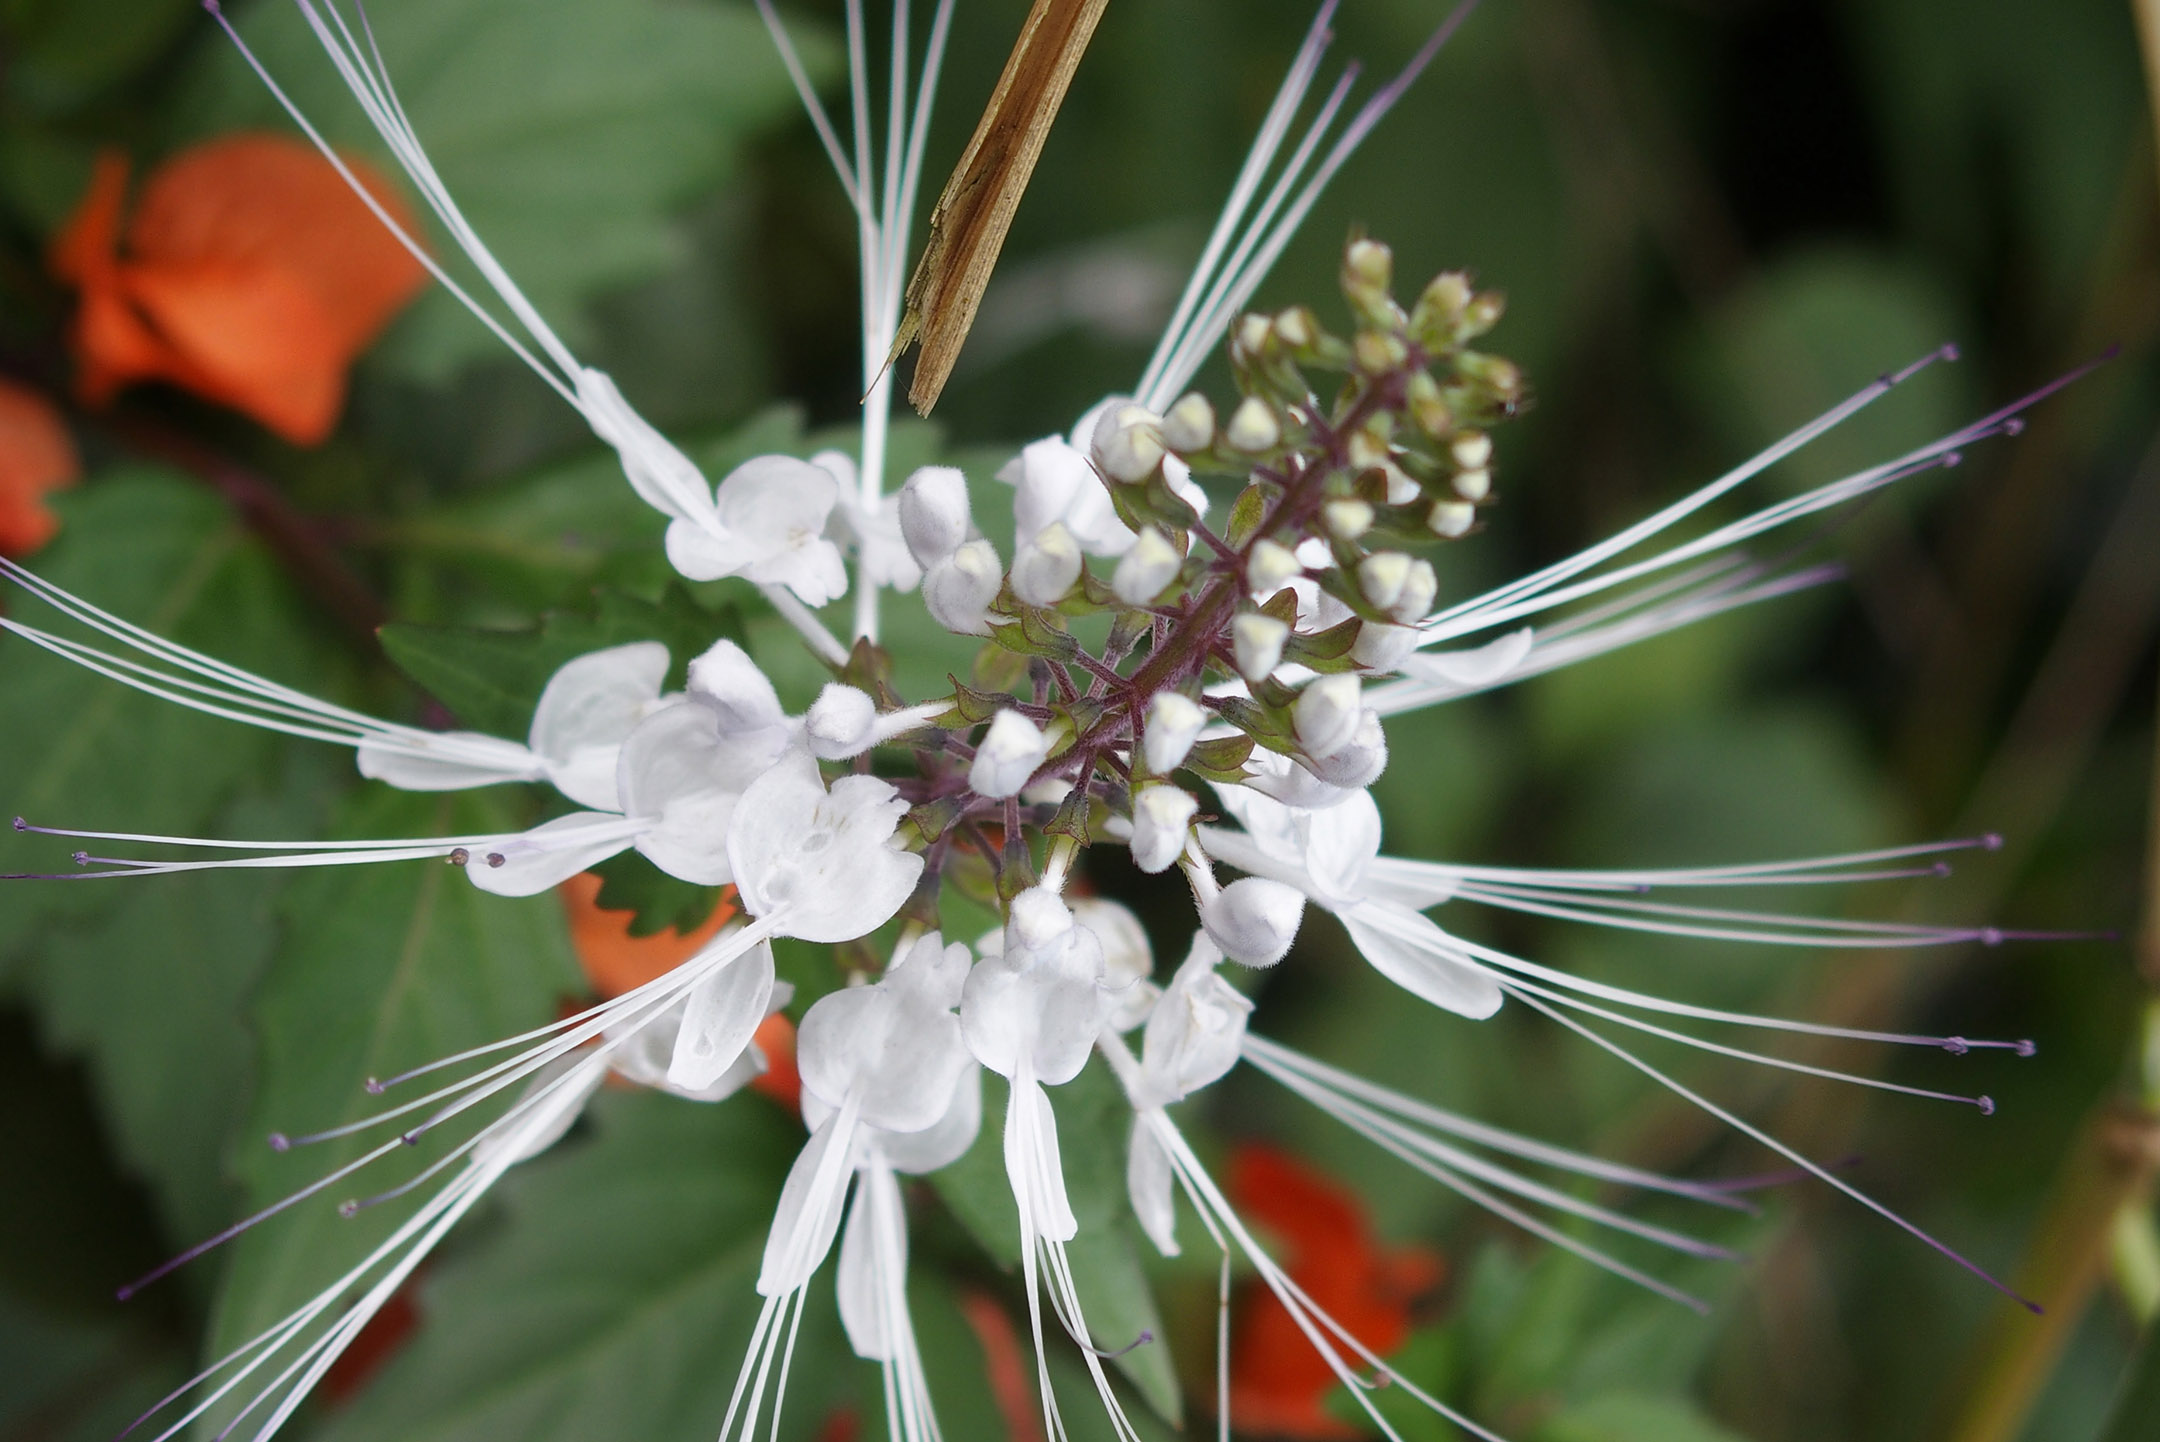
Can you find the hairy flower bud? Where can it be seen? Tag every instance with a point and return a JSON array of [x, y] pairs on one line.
[[1047, 566], [1128, 443], [1381, 647], [1381, 577], [1326, 712], [1143, 571], [958, 591], [1450, 518], [1189, 425], [842, 722], [1420, 586], [1269, 567], [1347, 519], [934, 516], [1253, 427], [1257, 642], [1359, 760], [1473, 485], [1007, 755], [1162, 815], [1173, 723], [1472, 450], [1254, 919]]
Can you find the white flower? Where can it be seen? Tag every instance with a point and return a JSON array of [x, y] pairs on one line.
[[934, 514], [824, 861], [1253, 919], [895, 1045], [1258, 643], [1327, 713], [772, 512], [1036, 1008], [1162, 816], [959, 589], [871, 530], [1008, 754], [1146, 569], [1046, 566], [1127, 442]]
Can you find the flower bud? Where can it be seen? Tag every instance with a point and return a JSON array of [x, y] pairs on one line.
[[1378, 352], [1347, 519], [1128, 443], [1253, 919], [1380, 647], [1296, 328], [1472, 450], [1368, 269], [1366, 450], [736, 692], [1047, 566], [1253, 427], [1190, 425], [1269, 568], [1419, 588], [1173, 723], [841, 722], [1039, 916], [1257, 642], [1162, 817], [1381, 577], [1326, 713], [1007, 755], [1450, 518], [1254, 332], [1143, 571], [1402, 487], [1473, 485], [1357, 762], [934, 516], [958, 590]]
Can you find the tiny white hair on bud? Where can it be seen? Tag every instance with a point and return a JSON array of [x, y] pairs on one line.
[[934, 514], [1007, 755], [1146, 569], [1253, 427], [1473, 485], [1472, 450], [1173, 724], [1254, 330], [1039, 914], [1450, 518], [1326, 712], [1254, 919], [1162, 818], [1047, 566], [1381, 577], [1128, 443], [841, 723], [1257, 642], [1189, 425], [958, 590], [1348, 518], [1270, 566]]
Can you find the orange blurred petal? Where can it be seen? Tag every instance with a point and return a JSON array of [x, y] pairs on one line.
[[1279, 1384], [251, 275], [613, 960], [37, 457], [1009, 1373], [775, 1039]]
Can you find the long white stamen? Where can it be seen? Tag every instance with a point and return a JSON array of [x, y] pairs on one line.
[[812, 106]]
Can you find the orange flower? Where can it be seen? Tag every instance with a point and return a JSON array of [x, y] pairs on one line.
[[252, 276], [36, 457], [1278, 1383], [613, 960]]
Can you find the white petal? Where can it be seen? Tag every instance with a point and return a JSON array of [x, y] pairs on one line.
[[562, 1088], [861, 1280], [808, 1213], [588, 708], [1409, 950], [1148, 1183], [720, 1015], [467, 759], [701, 552], [938, 1147], [1032, 1165], [1478, 666], [828, 860], [548, 855]]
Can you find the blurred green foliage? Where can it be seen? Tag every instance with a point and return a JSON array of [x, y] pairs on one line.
[[1714, 218]]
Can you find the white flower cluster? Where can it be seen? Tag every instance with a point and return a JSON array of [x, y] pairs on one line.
[[1235, 719]]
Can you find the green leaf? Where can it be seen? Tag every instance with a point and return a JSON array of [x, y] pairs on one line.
[[2139, 1402], [385, 967], [1633, 1417], [617, 1298], [492, 680], [657, 901], [569, 133], [81, 751], [63, 52]]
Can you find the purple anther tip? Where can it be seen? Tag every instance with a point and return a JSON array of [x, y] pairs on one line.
[[2014, 426], [82, 858], [279, 1142], [121, 1294], [2114, 349], [1941, 868], [1991, 936], [348, 1209], [1986, 1105], [21, 825], [496, 858], [458, 856], [410, 1139], [1956, 1045], [1950, 351], [2028, 1047], [374, 1087], [1992, 841], [212, 7], [1953, 459]]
